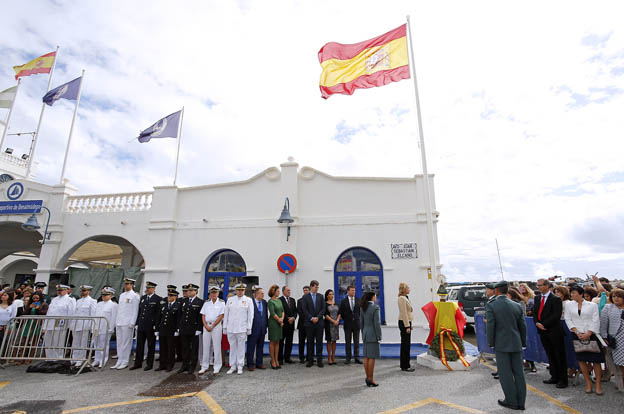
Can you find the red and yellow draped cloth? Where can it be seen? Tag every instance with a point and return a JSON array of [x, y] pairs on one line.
[[42, 64], [444, 332], [374, 62], [444, 318]]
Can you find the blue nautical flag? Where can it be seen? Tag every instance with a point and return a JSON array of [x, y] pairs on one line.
[[165, 128], [68, 90]]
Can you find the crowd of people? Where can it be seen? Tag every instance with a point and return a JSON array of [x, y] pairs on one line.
[[200, 333], [587, 319]]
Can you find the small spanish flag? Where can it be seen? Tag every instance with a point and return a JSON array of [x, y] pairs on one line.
[[374, 62], [42, 64]]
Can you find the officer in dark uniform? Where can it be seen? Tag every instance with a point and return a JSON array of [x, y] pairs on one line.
[[167, 325], [39, 286], [149, 308], [189, 328], [178, 340]]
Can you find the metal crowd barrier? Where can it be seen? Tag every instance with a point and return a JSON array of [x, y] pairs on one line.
[[47, 338]]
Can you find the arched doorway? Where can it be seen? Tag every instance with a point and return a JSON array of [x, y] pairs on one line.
[[225, 268], [361, 268]]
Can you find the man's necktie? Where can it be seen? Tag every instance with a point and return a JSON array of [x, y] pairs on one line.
[[539, 314]]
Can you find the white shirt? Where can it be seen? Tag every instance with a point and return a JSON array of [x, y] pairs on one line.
[[7, 314], [128, 309], [18, 303], [238, 315], [588, 320], [213, 310], [59, 306], [84, 307], [107, 309]]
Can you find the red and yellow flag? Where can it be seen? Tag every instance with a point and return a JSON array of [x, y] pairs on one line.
[[42, 64], [374, 62]]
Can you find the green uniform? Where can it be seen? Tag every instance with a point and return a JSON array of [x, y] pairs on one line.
[[275, 329]]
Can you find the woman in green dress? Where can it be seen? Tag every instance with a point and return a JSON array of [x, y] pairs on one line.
[[276, 321]]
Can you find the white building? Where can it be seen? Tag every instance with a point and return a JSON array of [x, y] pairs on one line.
[[343, 233]]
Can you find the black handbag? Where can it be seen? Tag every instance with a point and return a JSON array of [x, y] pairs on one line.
[[612, 342]]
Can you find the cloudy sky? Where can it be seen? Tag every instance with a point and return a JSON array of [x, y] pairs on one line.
[[522, 108]]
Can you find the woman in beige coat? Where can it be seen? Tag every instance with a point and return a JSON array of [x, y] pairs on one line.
[[405, 326]]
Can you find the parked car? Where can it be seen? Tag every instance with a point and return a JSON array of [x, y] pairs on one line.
[[468, 298]]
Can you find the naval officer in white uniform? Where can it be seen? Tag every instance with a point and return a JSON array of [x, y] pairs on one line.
[[212, 312], [103, 332], [237, 321], [85, 306], [127, 313], [56, 330]]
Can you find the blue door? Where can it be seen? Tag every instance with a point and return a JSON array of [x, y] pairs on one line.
[[361, 268], [225, 269]]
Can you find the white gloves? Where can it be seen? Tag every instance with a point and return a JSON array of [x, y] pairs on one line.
[[248, 331], [197, 333], [224, 331], [177, 333]]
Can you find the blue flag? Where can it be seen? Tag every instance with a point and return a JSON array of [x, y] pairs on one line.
[[165, 128], [66, 91]]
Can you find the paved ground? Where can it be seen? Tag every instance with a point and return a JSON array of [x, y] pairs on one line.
[[293, 388]]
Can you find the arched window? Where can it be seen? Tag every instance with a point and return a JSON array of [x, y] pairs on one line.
[[225, 269], [361, 268]]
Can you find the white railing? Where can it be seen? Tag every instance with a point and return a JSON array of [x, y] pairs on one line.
[[109, 203], [13, 160]]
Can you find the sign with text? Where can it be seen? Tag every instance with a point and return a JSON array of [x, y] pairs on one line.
[[404, 250], [20, 207]]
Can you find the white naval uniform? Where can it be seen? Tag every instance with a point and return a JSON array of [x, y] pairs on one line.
[[127, 313], [237, 322], [101, 338], [56, 330], [82, 329], [211, 342]]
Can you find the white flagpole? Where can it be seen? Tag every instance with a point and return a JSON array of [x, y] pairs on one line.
[[6, 125], [31, 156], [71, 129], [175, 178], [430, 238]]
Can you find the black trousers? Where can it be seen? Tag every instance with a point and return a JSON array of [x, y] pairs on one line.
[[167, 351], [286, 343], [190, 349], [302, 340], [352, 331], [554, 346], [406, 343], [143, 336], [178, 348], [315, 336]]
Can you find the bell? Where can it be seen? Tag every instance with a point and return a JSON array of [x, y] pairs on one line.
[[31, 224], [285, 216]]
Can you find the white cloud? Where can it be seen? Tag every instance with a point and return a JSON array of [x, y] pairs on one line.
[[521, 109]]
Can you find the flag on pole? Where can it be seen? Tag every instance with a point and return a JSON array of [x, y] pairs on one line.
[[42, 64], [7, 97], [68, 91], [165, 128], [374, 62]]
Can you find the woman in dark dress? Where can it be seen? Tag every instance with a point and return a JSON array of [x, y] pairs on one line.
[[332, 318], [370, 321]]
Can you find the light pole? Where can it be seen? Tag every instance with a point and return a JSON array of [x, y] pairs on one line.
[[285, 217], [33, 225]]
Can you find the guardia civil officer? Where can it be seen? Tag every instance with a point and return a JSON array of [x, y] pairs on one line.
[[127, 313], [189, 328], [39, 286], [212, 314], [237, 322], [178, 340], [167, 325], [85, 307], [149, 307]]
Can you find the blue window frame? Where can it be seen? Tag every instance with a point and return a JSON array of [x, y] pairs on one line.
[[225, 268], [360, 267]]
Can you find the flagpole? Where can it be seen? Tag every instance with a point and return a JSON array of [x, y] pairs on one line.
[[175, 179], [6, 125], [34, 144], [71, 129], [423, 155]]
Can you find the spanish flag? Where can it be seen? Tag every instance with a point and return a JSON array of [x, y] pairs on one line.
[[42, 64], [374, 62]]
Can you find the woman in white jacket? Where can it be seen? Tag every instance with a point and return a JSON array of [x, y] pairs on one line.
[[583, 320], [107, 309]]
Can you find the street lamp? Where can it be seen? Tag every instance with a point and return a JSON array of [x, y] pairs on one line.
[[285, 217], [33, 225]]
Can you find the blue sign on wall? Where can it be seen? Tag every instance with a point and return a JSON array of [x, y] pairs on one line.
[[15, 191], [20, 207]]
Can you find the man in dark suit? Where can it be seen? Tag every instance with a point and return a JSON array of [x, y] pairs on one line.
[[300, 326], [547, 317], [288, 330], [313, 315], [350, 313], [167, 323], [149, 308], [189, 328], [255, 341], [506, 333]]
